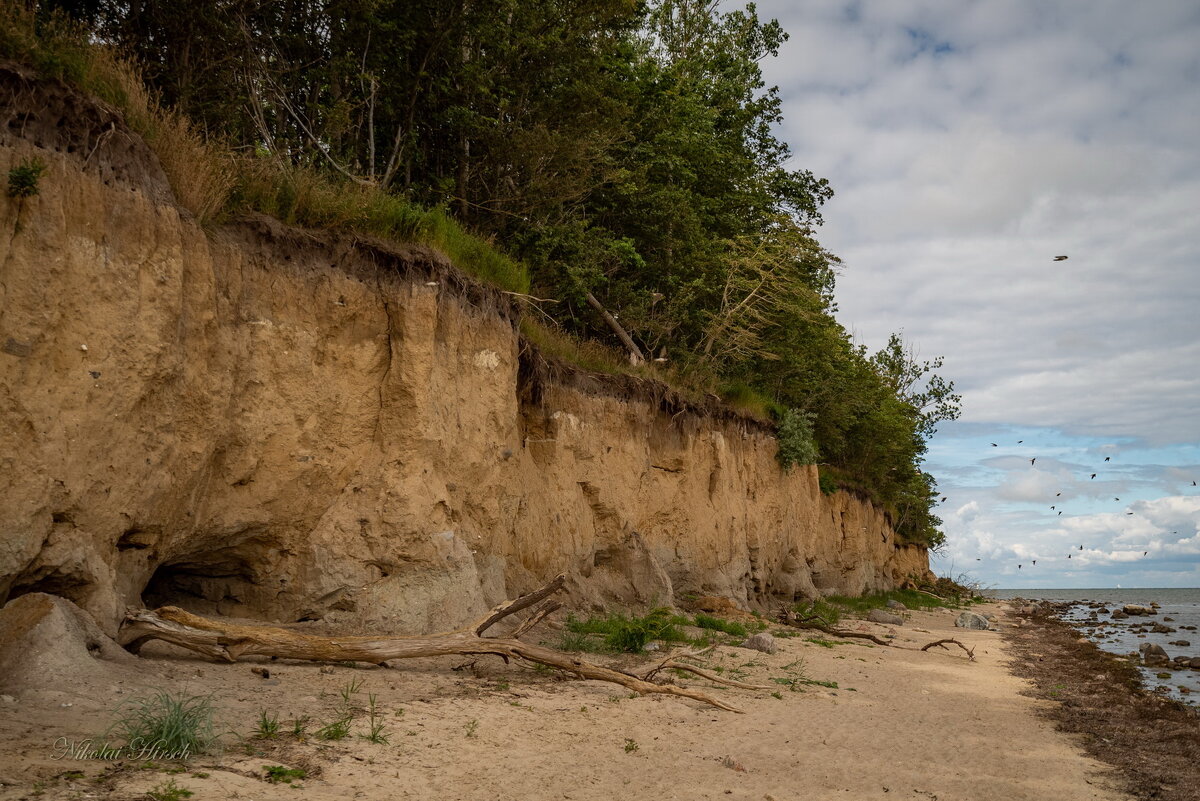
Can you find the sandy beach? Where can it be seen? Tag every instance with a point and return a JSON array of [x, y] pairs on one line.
[[899, 723]]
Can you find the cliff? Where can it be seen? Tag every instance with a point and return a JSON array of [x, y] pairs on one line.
[[292, 425]]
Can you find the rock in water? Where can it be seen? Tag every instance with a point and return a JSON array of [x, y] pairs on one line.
[[970, 620], [763, 641], [1153, 654], [880, 616]]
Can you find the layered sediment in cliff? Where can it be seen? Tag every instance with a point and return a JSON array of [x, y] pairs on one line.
[[284, 425]]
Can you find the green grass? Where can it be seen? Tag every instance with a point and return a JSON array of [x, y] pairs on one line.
[[338, 729], [617, 633], [173, 724], [169, 791], [278, 773], [704, 621], [834, 607], [268, 726]]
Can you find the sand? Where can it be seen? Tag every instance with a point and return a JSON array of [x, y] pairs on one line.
[[899, 724]]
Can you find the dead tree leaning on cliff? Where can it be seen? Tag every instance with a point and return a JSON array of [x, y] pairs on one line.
[[227, 642]]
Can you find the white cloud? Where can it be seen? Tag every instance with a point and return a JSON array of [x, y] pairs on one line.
[[969, 143]]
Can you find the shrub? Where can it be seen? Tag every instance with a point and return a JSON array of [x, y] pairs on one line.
[[794, 430], [23, 179]]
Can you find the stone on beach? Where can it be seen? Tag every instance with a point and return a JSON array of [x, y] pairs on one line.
[[763, 641], [880, 616], [970, 620]]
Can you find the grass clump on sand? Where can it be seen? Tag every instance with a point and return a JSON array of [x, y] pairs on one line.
[[173, 726], [731, 627], [618, 633], [833, 608]]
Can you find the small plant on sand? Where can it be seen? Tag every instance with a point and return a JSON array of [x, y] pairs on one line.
[[176, 726], [471, 727], [338, 729], [350, 690], [375, 723], [630, 745], [298, 726], [169, 791], [268, 726], [278, 773], [717, 624]]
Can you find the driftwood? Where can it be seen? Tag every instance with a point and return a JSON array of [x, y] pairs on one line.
[[672, 662], [816, 622], [227, 642], [942, 644]]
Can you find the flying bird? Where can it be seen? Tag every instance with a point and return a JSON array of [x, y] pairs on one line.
[[1060, 258], [1145, 552], [1018, 567], [1020, 441], [943, 499], [1068, 556], [1116, 499], [994, 445], [1035, 561], [1108, 458], [1081, 547], [1057, 494], [1060, 513], [1051, 507], [1093, 475], [1034, 459], [1129, 513]]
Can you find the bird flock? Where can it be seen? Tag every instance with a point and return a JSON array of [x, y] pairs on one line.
[[1056, 507]]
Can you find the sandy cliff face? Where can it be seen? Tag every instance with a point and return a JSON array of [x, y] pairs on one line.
[[261, 422]]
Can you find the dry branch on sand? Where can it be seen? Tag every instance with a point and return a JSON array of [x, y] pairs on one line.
[[227, 642], [942, 644], [789, 618], [817, 623]]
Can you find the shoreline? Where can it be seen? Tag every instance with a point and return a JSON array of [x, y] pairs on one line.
[[1100, 698]]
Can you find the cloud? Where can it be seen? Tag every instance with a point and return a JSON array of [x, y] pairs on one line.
[[969, 143]]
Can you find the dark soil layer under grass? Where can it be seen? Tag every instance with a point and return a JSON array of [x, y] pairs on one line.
[[1154, 742]]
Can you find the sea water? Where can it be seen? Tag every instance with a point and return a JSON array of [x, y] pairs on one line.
[[1179, 603]]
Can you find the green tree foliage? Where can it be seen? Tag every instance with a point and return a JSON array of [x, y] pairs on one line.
[[617, 148]]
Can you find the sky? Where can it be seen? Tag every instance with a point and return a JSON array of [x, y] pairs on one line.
[[969, 143]]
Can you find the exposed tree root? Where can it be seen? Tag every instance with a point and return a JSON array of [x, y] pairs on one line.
[[227, 642]]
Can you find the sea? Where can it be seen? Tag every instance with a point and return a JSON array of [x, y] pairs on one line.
[[1180, 604]]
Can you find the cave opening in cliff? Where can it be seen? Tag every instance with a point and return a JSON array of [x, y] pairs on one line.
[[220, 582]]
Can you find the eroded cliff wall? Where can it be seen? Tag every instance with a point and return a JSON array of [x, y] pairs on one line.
[[264, 422]]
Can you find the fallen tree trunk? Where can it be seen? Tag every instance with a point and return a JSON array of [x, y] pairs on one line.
[[227, 642]]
